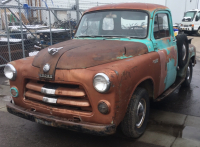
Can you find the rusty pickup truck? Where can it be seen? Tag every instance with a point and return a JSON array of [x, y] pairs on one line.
[[122, 56]]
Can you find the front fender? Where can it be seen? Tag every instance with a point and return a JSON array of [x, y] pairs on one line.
[[130, 73]]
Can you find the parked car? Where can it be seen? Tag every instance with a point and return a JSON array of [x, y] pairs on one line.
[[191, 22], [106, 76]]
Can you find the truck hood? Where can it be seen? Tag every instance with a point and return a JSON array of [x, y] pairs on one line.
[[79, 53]]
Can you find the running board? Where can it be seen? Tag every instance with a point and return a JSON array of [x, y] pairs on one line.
[[171, 89]]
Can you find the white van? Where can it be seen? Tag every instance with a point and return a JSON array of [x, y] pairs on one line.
[[191, 22]]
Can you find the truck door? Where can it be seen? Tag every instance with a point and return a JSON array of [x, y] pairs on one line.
[[164, 43]]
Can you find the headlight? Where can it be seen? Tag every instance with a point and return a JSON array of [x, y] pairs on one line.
[[101, 82], [10, 72]]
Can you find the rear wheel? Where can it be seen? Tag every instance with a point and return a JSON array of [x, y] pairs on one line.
[[188, 77], [136, 118]]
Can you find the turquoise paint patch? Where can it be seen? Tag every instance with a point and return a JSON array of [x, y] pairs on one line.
[[171, 74], [15, 89], [124, 57]]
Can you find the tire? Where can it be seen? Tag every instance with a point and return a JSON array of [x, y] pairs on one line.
[[188, 77], [198, 32], [189, 33], [183, 50], [132, 125]]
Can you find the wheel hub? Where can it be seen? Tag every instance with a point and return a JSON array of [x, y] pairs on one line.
[[184, 52], [188, 73], [141, 111]]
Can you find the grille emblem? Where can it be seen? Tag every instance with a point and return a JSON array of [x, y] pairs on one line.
[[53, 51], [46, 68]]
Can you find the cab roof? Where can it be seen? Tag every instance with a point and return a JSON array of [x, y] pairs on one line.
[[129, 6]]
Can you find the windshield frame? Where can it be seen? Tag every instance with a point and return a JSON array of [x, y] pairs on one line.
[[134, 10]]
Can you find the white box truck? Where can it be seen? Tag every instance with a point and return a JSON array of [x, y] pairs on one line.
[[191, 22]]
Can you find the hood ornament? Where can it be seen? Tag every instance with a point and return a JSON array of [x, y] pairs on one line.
[[46, 68], [53, 51]]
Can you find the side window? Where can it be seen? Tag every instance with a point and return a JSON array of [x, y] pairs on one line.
[[161, 26], [108, 24]]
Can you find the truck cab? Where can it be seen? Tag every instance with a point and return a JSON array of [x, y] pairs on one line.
[[122, 56], [191, 22]]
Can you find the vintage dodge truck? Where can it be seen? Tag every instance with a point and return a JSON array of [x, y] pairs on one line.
[[122, 56]]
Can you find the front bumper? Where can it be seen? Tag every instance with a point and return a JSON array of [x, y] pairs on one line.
[[187, 29], [53, 121]]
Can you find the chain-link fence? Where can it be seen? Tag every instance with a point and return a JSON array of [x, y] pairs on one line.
[[26, 30]]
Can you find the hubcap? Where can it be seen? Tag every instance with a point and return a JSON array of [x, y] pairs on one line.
[[141, 111], [188, 73], [184, 52], [199, 31]]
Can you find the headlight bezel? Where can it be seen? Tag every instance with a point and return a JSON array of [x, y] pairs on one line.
[[12, 69], [107, 82]]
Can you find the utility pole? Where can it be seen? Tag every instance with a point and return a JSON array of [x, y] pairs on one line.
[[77, 11]]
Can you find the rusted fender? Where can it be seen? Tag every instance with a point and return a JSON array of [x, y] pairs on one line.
[[126, 75]]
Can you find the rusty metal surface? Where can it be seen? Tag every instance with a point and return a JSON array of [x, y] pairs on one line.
[[61, 91], [44, 57], [95, 129], [78, 54], [60, 100], [130, 6], [125, 75], [100, 52]]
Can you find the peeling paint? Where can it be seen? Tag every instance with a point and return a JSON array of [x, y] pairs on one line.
[[124, 57], [116, 72]]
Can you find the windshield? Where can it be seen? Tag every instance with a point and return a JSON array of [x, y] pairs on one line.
[[189, 14], [114, 24]]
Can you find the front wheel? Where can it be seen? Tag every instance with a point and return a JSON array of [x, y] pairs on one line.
[[136, 118], [198, 32], [188, 77]]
